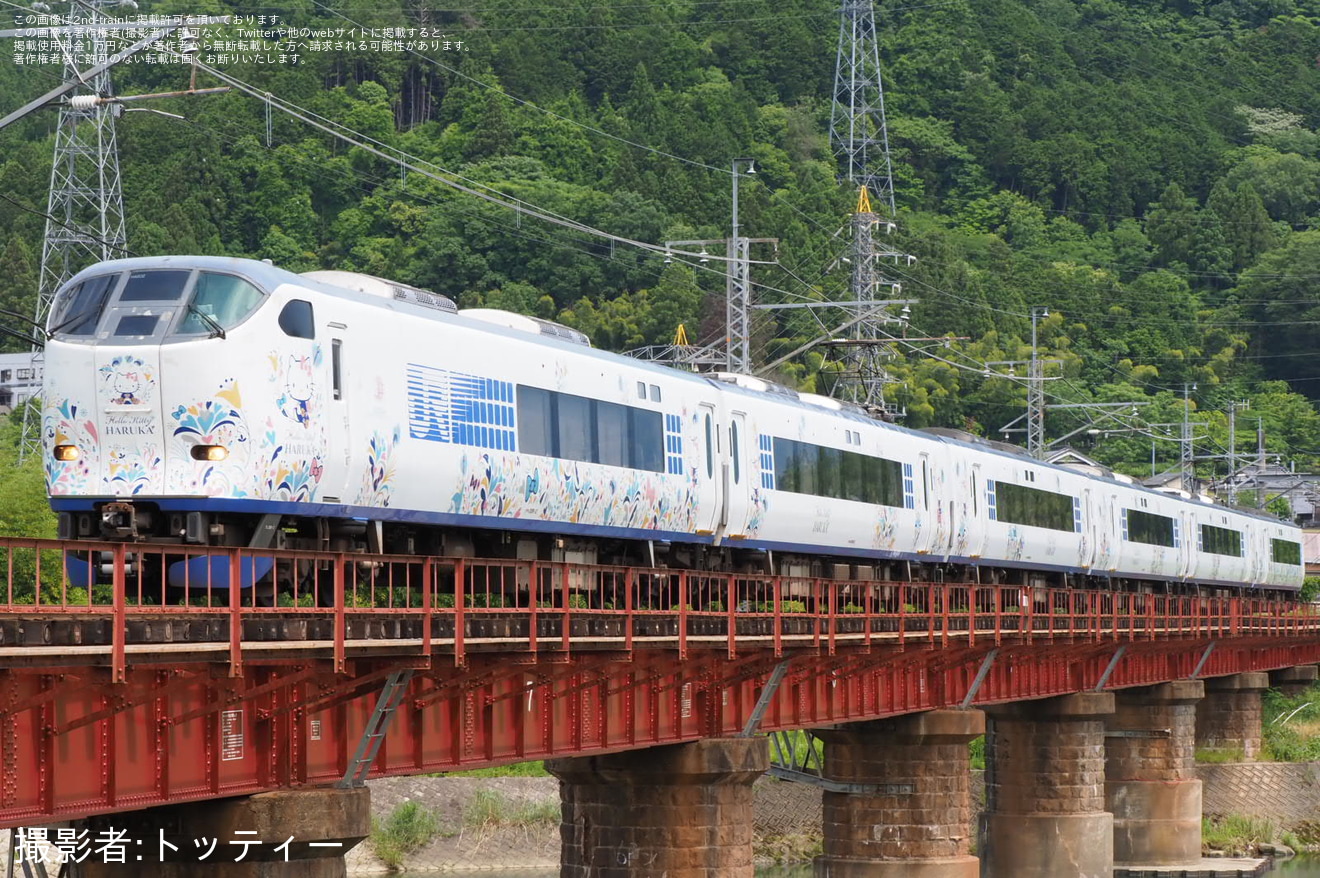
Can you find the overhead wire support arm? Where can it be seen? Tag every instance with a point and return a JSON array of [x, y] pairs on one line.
[[90, 73]]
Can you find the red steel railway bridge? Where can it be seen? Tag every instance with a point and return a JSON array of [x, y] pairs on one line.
[[126, 697]]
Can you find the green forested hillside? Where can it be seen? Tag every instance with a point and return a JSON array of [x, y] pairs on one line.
[[1147, 169]]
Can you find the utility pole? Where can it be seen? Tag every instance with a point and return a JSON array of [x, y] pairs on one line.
[[737, 309], [1233, 408], [1035, 414], [1260, 463], [1036, 393], [1186, 461]]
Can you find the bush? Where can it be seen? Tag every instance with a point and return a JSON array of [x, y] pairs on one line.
[[1235, 834], [488, 809], [976, 750], [409, 827]]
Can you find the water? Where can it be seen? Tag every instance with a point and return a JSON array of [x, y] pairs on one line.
[[1301, 867]]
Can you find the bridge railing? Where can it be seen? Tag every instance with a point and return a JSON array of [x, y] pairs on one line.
[[151, 599]]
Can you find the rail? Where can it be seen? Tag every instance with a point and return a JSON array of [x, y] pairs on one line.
[[66, 599]]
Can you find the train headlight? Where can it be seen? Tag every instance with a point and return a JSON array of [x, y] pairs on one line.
[[209, 452], [66, 452]]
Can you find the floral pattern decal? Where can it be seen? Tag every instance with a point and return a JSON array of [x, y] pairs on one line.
[[68, 424], [215, 421], [378, 478], [514, 486]]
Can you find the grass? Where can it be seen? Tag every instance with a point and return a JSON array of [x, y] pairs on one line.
[[488, 809], [977, 753], [1235, 834], [518, 769], [1291, 726], [1219, 755], [409, 827]]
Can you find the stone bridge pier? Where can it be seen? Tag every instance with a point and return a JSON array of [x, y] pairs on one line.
[[1045, 789], [679, 811], [1150, 775], [315, 828], [915, 820], [1228, 718], [1294, 681]]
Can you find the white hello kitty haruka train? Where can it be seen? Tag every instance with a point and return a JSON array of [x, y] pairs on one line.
[[207, 400]]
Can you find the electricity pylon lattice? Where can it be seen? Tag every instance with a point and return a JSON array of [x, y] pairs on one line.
[[859, 135], [858, 131], [85, 207]]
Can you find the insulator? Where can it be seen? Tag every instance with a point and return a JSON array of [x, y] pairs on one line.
[[84, 102]]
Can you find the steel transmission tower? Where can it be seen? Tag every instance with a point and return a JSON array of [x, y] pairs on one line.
[[857, 122], [85, 210], [86, 204], [860, 138]]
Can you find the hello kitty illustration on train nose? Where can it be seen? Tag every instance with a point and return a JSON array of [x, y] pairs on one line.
[[295, 402], [128, 380]]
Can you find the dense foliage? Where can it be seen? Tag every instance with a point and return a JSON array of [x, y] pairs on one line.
[[1149, 171]]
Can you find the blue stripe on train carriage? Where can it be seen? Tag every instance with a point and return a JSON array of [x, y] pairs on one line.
[[213, 570], [80, 569]]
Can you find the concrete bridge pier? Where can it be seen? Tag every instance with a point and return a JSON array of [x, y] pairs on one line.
[[1294, 681], [1229, 717], [1150, 775], [679, 811], [1045, 789], [918, 824], [317, 826]]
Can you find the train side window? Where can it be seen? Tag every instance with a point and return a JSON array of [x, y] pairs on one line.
[[828, 462], [646, 430], [297, 320], [641, 390], [576, 426], [925, 485], [337, 367], [612, 434], [536, 423], [710, 450], [733, 452]]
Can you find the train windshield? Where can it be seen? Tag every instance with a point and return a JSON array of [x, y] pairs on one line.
[[219, 302], [80, 307]]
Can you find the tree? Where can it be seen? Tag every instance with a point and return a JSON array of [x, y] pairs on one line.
[[1171, 227], [1280, 293], [18, 292]]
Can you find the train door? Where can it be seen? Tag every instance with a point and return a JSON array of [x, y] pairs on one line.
[[1091, 525], [737, 480], [1186, 537], [1257, 544], [926, 513], [1108, 549], [339, 445], [710, 510], [979, 514]]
